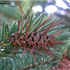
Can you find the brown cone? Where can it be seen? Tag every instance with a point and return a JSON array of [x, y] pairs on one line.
[[64, 64]]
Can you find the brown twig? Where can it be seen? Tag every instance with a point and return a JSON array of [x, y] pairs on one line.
[[18, 3], [64, 56], [18, 25], [21, 24]]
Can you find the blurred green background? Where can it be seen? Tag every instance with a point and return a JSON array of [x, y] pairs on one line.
[[10, 11]]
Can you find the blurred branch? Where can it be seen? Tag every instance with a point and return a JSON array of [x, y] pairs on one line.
[[18, 3], [4, 2], [8, 16]]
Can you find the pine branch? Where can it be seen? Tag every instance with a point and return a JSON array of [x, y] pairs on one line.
[[34, 65], [28, 63], [46, 61]]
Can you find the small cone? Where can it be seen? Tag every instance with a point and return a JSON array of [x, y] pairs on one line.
[[64, 63]]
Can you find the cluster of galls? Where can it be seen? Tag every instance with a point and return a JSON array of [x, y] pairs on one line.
[[63, 64], [32, 40]]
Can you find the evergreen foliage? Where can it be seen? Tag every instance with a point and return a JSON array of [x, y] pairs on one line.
[[26, 62]]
